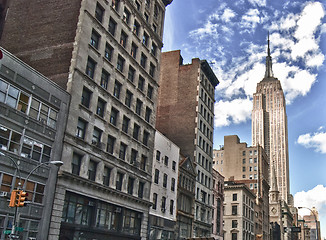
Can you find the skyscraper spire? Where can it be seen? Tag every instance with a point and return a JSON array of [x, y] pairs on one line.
[[269, 71]]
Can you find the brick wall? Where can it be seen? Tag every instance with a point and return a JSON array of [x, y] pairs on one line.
[[37, 32]]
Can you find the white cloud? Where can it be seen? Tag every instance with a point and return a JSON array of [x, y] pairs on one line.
[[259, 3], [251, 19], [236, 111], [208, 29], [227, 15], [315, 140]]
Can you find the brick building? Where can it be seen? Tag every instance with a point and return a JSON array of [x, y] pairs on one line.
[[106, 53]]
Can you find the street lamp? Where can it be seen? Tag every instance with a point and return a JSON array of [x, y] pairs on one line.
[[16, 165], [315, 220]]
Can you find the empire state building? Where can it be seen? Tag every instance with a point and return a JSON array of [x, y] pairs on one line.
[[269, 126]]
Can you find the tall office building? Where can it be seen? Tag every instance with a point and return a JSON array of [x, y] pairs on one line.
[[185, 115], [269, 126], [106, 53]]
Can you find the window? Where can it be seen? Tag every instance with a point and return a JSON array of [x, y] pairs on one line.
[[90, 68], [119, 179], [9, 140], [86, 97], [123, 39], [234, 197], [255, 160], [108, 52], [138, 106], [76, 163], [145, 39], [149, 91], [143, 60], [115, 4], [130, 187], [133, 157], [126, 16], [251, 186], [133, 51], [135, 133], [128, 98], [117, 89], [97, 134], [95, 39], [105, 79], [234, 236], [158, 155], [145, 138], [153, 49], [243, 153], [141, 189], [110, 144], [243, 169], [250, 160], [166, 161], [141, 82], [255, 168], [81, 128], [250, 169], [148, 113], [125, 124], [114, 116], [136, 28], [174, 164], [131, 74], [106, 176], [92, 170], [244, 161], [99, 12], [123, 150], [234, 210], [154, 200], [250, 176], [152, 69], [112, 26], [163, 204], [156, 176], [146, 17], [120, 63], [143, 162], [173, 184], [171, 206], [100, 107], [165, 180], [147, 3]]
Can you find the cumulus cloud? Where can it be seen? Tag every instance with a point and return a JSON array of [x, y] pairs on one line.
[[258, 2], [228, 14], [315, 197], [251, 19], [316, 140], [236, 111]]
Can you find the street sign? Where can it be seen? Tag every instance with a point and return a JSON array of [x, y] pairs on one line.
[[7, 231], [296, 229]]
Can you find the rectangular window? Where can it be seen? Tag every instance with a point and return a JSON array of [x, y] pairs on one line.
[[156, 176], [126, 16], [114, 116], [86, 97], [145, 39], [250, 160], [234, 236], [97, 134], [172, 184], [166, 161], [145, 138], [174, 164], [165, 180], [99, 12], [95, 39], [120, 63], [133, 157], [154, 201], [123, 150], [149, 91], [128, 98], [234, 210], [141, 82], [100, 107], [115, 4], [234, 223], [234, 197], [171, 206], [163, 204], [112, 26], [136, 28], [143, 60], [125, 124], [117, 89], [152, 69], [76, 163], [138, 106], [106, 176], [148, 113], [130, 188], [110, 144], [141, 189], [133, 51], [90, 68], [153, 49], [9, 140], [92, 170], [119, 180], [131, 74], [81, 128], [143, 162], [123, 39], [158, 155], [135, 133], [105, 79], [108, 52], [243, 169]]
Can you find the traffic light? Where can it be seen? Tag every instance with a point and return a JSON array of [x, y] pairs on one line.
[[13, 198], [21, 197]]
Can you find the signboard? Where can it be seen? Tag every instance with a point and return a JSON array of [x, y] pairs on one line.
[[296, 229]]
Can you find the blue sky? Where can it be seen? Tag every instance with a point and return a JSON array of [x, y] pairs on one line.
[[232, 36]]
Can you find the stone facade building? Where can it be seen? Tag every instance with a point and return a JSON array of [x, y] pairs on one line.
[[163, 212], [218, 199], [106, 53], [33, 115], [185, 115]]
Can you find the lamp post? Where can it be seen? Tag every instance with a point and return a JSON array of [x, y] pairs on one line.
[[57, 163], [315, 220]]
